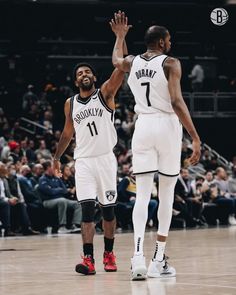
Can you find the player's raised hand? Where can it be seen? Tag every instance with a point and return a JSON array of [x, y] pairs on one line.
[[119, 24]]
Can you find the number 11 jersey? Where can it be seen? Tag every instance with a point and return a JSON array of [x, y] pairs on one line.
[[149, 85], [93, 123]]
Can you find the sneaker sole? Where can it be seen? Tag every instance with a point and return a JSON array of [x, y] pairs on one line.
[[139, 274], [155, 275], [110, 270], [84, 270]]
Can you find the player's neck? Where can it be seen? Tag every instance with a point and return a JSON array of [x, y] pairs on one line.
[[86, 93], [154, 51]]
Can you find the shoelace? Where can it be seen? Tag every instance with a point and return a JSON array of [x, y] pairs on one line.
[[165, 258], [87, 260], [110, 257]]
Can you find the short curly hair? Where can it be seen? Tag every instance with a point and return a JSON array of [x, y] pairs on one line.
[[83, 64]]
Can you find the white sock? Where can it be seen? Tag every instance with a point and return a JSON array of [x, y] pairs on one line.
[[159, 251], [144, 184]]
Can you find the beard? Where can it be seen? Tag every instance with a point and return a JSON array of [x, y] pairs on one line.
[[166, 50], [86, 86]]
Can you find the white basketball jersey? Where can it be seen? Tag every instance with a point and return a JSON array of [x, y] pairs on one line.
[[93, 122], [149, 85]]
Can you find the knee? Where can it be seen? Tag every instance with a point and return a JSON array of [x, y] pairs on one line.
[[108, 213], [61, 201], [88, 211]]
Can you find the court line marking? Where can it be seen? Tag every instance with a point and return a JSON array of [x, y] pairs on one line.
[[206, 285]]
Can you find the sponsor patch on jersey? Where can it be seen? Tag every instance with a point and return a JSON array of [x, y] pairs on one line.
[[110, 195]]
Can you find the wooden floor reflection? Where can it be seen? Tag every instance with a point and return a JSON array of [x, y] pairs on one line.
[[205, 261]]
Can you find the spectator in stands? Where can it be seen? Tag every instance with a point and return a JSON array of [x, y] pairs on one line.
[[18, 211], [24, 160], [225, 206], [124, 170], [34, 113], [127, 196], [34, 203], [69, 182], [209, 179], [23, 147], [53, 192], [29, 98], [16, 132], [43, 152], [14, 154], [47, 121], [37, 172], [30, 152], [221, 179], [213, 164], [5, 203], [5, 151], [180, 210], [211, 194], [232, 182], [197, 78], [123, 137], [128, 123], [206, 159], [184, 191]]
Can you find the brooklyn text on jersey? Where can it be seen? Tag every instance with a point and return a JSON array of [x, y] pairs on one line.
[[88, 113]]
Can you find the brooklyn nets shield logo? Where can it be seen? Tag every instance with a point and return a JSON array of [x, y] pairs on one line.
[[110, 195]]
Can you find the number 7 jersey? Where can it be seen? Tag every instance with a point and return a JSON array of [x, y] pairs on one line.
[[149, 85], [93, 123]]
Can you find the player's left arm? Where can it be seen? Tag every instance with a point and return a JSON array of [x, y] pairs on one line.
[[111, 86], [120, 28]]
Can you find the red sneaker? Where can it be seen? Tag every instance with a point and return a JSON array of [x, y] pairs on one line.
[[87, 266], [109, 261]]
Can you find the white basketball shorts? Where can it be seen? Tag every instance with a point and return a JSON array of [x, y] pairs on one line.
[[95, 177], [156, 144]]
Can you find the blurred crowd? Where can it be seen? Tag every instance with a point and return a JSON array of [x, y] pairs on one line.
[[32, 199]]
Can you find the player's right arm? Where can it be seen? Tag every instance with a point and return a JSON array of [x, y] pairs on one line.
[[173, 69], [65, 138]]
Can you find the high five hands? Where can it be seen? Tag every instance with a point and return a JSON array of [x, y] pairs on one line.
[[119, 24]]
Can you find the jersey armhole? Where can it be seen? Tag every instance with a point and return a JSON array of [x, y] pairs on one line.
[[163, 64], [164, 60], [71, 106], [103, 102]]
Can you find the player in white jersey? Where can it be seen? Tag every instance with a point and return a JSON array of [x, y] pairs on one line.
[[154, 80], [90, 115]]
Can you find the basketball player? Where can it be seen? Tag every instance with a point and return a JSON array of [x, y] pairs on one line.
[[90, 115], [154, 80]]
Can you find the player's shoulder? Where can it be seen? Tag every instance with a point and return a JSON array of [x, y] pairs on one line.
[[172, 61], [70, 99], [68, 106]]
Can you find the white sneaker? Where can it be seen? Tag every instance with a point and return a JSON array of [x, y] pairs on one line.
[[161, 269], [63, 230], [232, 220], [75, 229], [138, 268]]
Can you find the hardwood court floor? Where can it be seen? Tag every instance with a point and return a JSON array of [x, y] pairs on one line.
[[205, 261]]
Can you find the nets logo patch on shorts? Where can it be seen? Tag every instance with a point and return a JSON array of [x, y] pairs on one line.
[[110, 195]]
